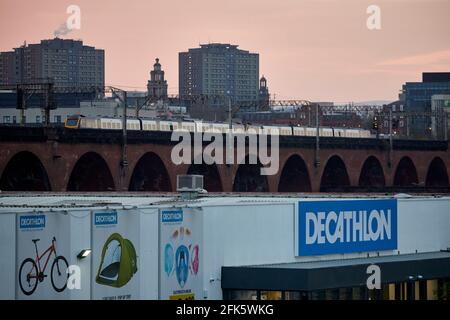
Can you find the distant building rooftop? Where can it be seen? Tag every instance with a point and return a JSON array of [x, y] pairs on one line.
[[436, 77]]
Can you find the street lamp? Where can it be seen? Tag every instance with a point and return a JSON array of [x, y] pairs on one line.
[[84, 253]]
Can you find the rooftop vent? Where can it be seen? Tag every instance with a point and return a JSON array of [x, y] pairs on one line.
[[190, 185]]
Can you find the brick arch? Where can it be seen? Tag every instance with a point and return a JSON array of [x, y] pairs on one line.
[[91, 173], [405, 173], [150, 174], [248, 178], [372, 173], [294, 176], [437, 175], [24, 171], [334, 175]]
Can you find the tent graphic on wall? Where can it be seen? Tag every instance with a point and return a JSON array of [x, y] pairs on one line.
[[118, 262]]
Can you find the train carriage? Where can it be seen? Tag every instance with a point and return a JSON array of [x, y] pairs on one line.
[[149, 125], [80, 122], [299, 131], [285, 131]]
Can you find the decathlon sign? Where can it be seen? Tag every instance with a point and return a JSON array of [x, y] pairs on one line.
[[105, 218], [168, 216], [32, 222], [328, 227]]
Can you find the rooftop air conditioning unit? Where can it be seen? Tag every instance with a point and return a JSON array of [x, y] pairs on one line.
[[190, 183]]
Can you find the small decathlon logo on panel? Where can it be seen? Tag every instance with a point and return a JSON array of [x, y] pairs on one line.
[[32, 222], [168, 216], [328, 227], [105, 218]]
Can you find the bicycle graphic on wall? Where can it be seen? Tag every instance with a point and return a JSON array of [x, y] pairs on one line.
[[31, 272]]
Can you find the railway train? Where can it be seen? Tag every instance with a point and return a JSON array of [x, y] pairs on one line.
[[190, 125]]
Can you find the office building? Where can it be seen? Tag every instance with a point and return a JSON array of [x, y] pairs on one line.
[[68, 63], [417, 98], [440, 105], [220, 70]]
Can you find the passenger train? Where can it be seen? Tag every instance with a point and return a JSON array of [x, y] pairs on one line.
[[141, 124]]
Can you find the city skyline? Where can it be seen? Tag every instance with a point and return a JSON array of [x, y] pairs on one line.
[[294, 40]]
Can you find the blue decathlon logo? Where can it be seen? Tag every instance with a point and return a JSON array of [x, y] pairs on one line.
[[32, 222], [174, 215], [105, 218], [327, 227]]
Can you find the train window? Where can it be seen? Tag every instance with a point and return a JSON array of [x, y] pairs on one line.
[[72, 122]]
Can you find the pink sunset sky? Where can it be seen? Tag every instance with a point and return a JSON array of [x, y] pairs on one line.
[[319, 50]]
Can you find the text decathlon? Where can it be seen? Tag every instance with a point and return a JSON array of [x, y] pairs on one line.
[[32, 222], [172, 216], [347, 226], [105, 218]]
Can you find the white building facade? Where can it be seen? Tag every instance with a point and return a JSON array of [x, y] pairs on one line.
[[226, 247]]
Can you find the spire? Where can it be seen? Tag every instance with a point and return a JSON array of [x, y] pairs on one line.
[[157, 65], [263, 82]]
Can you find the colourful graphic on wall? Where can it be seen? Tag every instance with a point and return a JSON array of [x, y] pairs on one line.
[[34, 270], [185, 259], [180, 238], [118, 262], [42, 259], [168, 259], [115, 254], [182, 265], [194, 260]]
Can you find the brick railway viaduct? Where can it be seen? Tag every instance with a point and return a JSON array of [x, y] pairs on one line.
[[59, 159]]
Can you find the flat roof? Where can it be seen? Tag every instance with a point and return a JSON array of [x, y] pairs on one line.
[[331, 274], [142, 199]]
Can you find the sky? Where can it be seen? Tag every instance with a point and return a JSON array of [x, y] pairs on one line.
[[318, 50]]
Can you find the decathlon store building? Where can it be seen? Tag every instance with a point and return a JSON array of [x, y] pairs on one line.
[[218, 247]]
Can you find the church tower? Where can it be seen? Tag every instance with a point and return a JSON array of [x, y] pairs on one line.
[[264, 95], [157, 86]]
